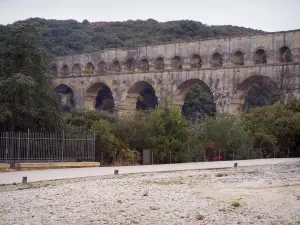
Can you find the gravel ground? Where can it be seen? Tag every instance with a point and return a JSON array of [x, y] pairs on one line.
[[249, 195]]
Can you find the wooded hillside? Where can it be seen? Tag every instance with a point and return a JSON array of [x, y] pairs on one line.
[[65, 37]]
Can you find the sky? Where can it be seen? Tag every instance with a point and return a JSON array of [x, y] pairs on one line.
[[267, 15]]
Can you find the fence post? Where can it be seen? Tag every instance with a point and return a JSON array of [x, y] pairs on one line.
[[19, 146], [94, 143], [6, 146], [152, 156], [28, 144], [170, 157], [248, 153], [62, 146]]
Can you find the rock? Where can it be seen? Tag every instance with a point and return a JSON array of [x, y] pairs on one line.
[[119, 201], [145, 193], [154, 208], [134, 221], [199, 216]]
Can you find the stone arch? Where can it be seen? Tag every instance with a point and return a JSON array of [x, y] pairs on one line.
[[130, 64], [66, 96], [144, 64], [238, 57], [196, 61], [183, 88], [89, 68], [176, 63], [216, 60], [76, 69], [115, 66], [260, 56], [99, 96], [159, 63], [101, 67], [65, 70], [285, 55], [133, 96], [54, 70], [239, 95]]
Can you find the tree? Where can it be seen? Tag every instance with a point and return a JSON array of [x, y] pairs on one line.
[[26, 97], [198, 103], [275, 129], [167, 134], [131, 130], [224, 136]]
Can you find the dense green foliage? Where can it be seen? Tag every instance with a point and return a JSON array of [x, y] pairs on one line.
[[198, 103], [275, 129], [64, 37], [224, 133], [26, 98], [167, 133]]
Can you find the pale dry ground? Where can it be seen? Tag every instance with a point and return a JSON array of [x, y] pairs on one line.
[[266, 194]]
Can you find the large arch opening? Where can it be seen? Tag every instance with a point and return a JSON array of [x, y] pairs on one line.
[[53, 70], [196, 61], [89, 68], [130, 64], [255, 91], [237, 58], [66, 97], [176, 63], [115, 66], [216, 60], [195, 99], [144, 65], [99, 97], [285, 55], [141, 96], [76, 70], [260, 57], [159, 63], [65, 70], [101, 67]]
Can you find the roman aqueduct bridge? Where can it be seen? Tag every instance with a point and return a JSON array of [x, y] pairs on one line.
[[228, 66]]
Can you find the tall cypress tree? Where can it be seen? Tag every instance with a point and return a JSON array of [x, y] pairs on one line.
[[26, 98]]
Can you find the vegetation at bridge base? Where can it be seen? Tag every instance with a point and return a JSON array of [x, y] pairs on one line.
[[266, 132], [167, 134], [65, 37], [275, 128]]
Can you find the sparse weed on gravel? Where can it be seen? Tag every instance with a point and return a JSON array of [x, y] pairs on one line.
[[35, 185], [252, 172], [163, 182], [235, 203], [221, 174]]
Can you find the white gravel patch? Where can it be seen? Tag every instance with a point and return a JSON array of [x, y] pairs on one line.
[[267, 195]]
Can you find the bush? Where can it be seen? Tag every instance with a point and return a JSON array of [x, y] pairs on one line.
[[167, 134], [224, 133]]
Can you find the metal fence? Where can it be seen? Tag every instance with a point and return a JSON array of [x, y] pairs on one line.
[[46, 147]]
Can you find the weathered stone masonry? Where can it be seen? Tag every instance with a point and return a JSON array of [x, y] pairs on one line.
[[228, 66]]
